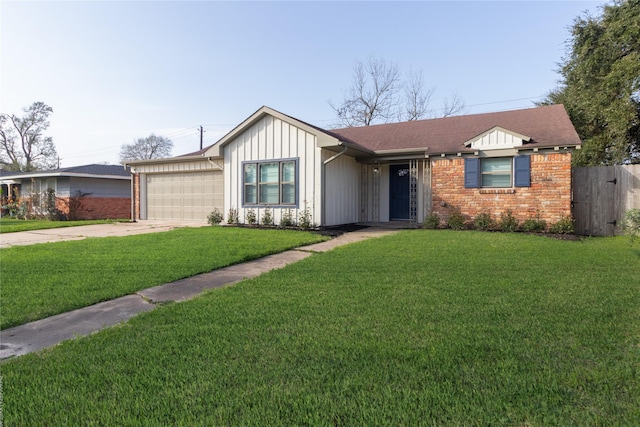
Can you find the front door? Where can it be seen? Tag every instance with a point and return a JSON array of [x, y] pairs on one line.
[[399, 192]]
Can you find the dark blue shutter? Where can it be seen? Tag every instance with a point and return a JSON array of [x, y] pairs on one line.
[[471, 173], [522, 166]]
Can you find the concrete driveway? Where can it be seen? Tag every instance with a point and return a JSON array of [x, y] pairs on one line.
[[22, 238]]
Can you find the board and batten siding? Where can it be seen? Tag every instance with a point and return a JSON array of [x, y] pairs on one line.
[[342, 186], [273, 139]]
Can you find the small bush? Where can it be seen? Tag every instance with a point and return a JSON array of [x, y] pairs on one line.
[[267, 217], [251, 217], [215, 217], [508, 223], [305, 220], [432, 221], [456, 221], [631, 224], [534, 225], [232, 216], [51, 211], [483, 221], [563, 226], [286, 220]]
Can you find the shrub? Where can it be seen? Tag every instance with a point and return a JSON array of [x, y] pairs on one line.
[[267, 217], [286, 220], [563, 226], [305, 219], [631, 224], [483, 221], [251, 217], [232, 216], [215, 217], [508, 222], [51, 211], [75, 205], [534, 225], [432, 221], [456, 221]]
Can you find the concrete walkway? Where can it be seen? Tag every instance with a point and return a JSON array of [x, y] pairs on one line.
[[47, 332]]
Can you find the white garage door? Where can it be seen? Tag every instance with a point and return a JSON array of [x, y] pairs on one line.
[[188, 196]]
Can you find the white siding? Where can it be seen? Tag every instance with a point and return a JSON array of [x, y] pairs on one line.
[[342, 186], [273, 139], [496, 139], [195, 165]]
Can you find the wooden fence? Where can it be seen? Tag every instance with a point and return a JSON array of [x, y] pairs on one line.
[[602, 195]]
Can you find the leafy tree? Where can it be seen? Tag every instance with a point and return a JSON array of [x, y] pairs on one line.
[[379, 95], [600, 85], [23, 147], [151, 147]]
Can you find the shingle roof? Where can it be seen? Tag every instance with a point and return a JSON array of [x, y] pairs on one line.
[[546, 126], [93, 169]]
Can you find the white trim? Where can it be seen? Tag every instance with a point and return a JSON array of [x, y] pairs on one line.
[[497, 130]]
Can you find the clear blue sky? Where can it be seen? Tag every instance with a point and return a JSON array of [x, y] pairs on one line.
[[120, 70]]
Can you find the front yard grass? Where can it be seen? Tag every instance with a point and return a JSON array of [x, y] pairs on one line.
[[46, 279], [12, 225], [420, 328]]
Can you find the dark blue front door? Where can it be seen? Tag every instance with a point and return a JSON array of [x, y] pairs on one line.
[[399, 192]]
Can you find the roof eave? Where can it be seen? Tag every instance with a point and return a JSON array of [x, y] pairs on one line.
[[63, 174], [178, 159], [324, 139]]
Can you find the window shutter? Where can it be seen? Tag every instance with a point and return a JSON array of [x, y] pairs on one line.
[[471, 173], [522, 166]]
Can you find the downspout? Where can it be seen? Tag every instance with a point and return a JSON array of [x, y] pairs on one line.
[[133, 195], [324, 182]]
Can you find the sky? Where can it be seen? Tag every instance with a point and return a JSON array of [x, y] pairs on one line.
[[116, 71]]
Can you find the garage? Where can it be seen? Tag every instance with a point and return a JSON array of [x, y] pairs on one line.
[[186, 196]]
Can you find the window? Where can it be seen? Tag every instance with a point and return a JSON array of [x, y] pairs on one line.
[[497, 172], [270, 183]]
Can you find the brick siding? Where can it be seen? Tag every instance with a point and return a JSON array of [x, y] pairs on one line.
[[97, 207], [549, 193]]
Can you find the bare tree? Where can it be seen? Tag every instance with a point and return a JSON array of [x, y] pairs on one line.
[[372, 96], [151, 147], [23, 147], [378, 95], [453, 106], [417, 98]]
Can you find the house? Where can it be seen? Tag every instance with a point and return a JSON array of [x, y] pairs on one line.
[[81, 192], [516, 160]]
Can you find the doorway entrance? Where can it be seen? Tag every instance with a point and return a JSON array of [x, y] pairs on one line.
[[399, 179]]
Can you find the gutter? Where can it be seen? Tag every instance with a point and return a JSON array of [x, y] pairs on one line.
[[323, 195]]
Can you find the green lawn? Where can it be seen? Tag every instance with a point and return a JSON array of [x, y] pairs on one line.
[[46, 279], [10, 225], [419, 328]]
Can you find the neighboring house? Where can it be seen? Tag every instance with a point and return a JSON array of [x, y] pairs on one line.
[[514, 160], [81, 192]]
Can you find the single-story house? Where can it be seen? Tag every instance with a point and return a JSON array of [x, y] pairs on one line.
[[516, 160], [81, 192]]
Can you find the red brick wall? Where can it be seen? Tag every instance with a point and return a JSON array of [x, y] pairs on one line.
[[98, 207], [549, 194]]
